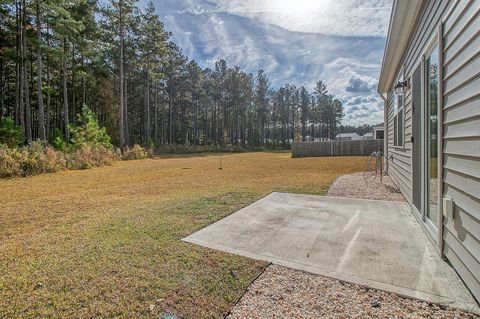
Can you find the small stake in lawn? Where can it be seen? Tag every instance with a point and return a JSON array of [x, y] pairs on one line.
[[220, 167]]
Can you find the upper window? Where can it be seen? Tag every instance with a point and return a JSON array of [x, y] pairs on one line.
[[432, 94], [398, 119]]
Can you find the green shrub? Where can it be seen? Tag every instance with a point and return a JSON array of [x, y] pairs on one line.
[[10, 135], [58, 141], [90, 147], [89, 131], [90, 144]]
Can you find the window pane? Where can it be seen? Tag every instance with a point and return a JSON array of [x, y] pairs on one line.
[[432, 134], [400, 128], [398, 120], [395, 103], [395, 131]]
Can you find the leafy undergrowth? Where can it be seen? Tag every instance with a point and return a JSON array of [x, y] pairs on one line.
[[106, 242]]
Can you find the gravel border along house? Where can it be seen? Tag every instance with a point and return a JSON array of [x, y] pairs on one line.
[[281, 292]]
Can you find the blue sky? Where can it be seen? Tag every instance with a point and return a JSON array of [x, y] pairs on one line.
[[294, 41]]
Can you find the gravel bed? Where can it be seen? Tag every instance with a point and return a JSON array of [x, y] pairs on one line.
[[286, 293], [354, 186]]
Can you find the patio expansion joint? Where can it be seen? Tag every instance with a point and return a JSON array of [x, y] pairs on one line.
[[264, 231]]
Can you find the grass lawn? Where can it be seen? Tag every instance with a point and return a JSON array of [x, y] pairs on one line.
[[105, 242]]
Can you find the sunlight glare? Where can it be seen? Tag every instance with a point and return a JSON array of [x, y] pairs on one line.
[[301, 6]]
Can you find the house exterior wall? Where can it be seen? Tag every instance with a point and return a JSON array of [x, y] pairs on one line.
[[400, 158], [461, 139], [459, 24]]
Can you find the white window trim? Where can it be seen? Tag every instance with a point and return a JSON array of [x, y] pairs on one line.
[[395, 116]]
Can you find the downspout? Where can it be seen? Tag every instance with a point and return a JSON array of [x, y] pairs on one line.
[[385, 130]]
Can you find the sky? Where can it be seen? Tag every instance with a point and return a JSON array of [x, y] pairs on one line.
[[340, 42]]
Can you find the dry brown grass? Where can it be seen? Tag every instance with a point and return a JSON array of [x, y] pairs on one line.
[[105, 242]]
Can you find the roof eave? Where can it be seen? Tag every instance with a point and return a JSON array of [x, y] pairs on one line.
[[402, 24]]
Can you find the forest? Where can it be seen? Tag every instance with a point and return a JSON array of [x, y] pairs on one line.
[[117, 58]]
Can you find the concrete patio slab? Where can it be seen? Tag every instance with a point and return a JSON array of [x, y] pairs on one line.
[[374, 243]]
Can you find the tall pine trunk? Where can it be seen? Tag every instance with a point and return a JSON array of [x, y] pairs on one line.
[[84, 88], [195, 125], [155, 115], [121, 127], [65, 92], [41, 113], [26, 87], [147, 108], [18, 73], [170, 114], [74, 98], [125, 114], [48, 106], [206, 134], [214, 124], [2, 80], [47, 110], [164, 123]]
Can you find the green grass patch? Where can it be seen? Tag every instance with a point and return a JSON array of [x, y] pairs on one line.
[[107, 242]]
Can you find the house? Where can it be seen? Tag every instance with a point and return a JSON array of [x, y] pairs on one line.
[[367, 136], [430, 84], [378, 132], [348, 137]]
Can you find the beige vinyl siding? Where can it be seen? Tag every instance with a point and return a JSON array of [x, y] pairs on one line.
[[400, 162], [461, 133], [461, 126]]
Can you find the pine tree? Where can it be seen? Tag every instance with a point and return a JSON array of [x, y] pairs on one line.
[[261, 100], [57, 56]]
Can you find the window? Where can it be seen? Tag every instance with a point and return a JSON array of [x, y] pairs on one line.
[[398, 125], [379, 135], [432, 65]]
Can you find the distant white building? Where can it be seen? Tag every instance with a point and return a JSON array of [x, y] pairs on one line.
[[379, 131], [348, 137], [367, 136], [310, 138]]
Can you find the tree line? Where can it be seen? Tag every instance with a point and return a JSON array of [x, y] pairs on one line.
[[57, 56]]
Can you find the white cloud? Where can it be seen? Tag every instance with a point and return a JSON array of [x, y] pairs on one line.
[[329, 17], [355, 81], [341, 44], [215, 20], [360, 84]]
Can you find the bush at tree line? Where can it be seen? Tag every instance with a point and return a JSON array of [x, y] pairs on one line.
[[88, 147]]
